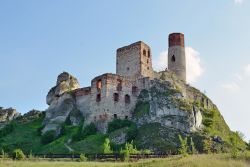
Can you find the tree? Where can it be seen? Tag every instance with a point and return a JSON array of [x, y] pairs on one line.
[[207, 145], [18, 154], [106, 146], [192, 147], [234, 143], [183, 150]]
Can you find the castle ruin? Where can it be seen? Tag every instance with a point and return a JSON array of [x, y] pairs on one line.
[[114, 95]]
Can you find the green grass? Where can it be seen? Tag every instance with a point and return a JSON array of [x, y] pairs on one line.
[[216, 160], [92, 144]]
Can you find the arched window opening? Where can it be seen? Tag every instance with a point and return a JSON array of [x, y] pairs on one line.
[[99, 84], [144, 52], [127, 99], [115, 116], [173, 58], [149, 54], [98, 97], [116, 97], [126, 117]]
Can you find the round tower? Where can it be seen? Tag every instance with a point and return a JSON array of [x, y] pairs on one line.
[[176, 55]]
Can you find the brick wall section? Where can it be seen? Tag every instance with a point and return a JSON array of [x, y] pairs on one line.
[[134, 60], [82, 91]]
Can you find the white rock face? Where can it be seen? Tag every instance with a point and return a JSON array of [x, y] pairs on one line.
[[58, 111], [8, 115], [65, 83], [60, 102], [170, 109]]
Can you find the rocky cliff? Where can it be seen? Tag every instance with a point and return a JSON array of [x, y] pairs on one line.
[[61, 102], [7, 115]]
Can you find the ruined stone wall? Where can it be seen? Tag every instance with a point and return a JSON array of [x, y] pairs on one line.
[[82, 97], [134, 60]]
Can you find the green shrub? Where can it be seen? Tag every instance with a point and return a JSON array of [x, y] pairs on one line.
[[142, 108], [18, 154], [132, 132], [82, 133], [83, 158], [183, 149], [207, 122], [39, 130], [118, 124], [8, 129], [77, 136], [48, 137], [106, 146], [207, 145], [129, 149], [89, 130], [234, 143], [192, 147], [147, 151]]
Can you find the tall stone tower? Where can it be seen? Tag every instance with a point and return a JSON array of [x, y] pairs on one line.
[[176, 55], [134, 60]]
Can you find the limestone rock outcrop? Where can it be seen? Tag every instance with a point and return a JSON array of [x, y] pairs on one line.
[[163, 103], [8, 114], [60, 101], [65, 83]]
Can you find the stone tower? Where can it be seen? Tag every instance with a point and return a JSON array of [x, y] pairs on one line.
[[176, 55], [134, 60]]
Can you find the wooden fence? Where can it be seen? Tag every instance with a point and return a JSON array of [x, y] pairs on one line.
[[105, 157]]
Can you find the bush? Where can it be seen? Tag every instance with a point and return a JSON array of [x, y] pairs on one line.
[[207, 145], [118, 124], [48, 137], [234, 142], [106, 146], [207, 122], [129, 149], [18, 154], [83, 133], [83, 158], [8, 129], [141, 109], [89, 130], [192, 147], [39, 130], [132, 132], [183, 150]]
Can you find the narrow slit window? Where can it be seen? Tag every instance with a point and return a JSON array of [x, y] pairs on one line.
[[173, 58]]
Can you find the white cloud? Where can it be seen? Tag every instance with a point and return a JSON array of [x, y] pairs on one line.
[[193, 61], [247, 70], [232, 87], [194, 66], [238, 2], [238, 79]]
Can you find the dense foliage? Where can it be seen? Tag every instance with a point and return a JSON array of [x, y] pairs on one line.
[[7, 129], [48, 137]]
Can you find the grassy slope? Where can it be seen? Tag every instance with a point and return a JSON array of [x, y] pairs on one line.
[[26, 136], [216, 160]]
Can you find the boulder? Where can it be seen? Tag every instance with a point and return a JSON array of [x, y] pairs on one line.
[[65, 83]]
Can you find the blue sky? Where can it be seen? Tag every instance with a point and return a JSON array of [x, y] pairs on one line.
[[40, 39]]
